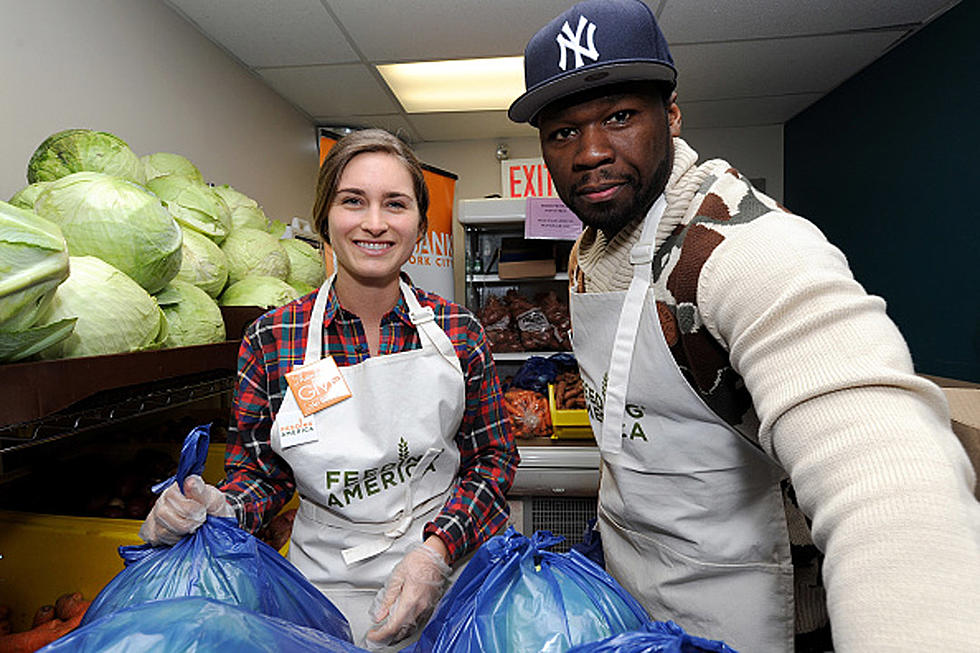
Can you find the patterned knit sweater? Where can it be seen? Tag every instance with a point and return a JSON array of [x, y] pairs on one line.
[[769, 326]]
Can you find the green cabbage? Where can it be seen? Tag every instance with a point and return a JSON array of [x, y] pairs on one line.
[[26, 196], [193, 317], [305, 264], [301, 288], [117, 221], [33, 261], [277, 228], [251, 217], [194, 205], [77, 150], [245, 212], [204, 264], [18, 345], [166, 163], [233, 198], [266, 292], [115, 315], [254, 252]]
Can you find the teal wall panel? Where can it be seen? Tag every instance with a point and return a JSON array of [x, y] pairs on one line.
[[888, 166]]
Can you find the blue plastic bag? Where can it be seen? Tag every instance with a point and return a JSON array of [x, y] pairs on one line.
[[535, 374], [591, 544], [219, 561], [655, 637], [195, 624], [515, 595]]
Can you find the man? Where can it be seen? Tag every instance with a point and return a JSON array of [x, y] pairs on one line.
[[742, 386]]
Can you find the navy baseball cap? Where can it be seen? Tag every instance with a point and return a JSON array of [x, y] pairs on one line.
[[595, 43]]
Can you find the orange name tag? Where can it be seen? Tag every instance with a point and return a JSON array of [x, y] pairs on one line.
[[317, 386]]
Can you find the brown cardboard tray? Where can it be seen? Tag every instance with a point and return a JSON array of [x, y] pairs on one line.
[[526, 269], [33, 390]]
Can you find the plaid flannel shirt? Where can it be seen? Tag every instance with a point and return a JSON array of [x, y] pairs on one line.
[[259, 482]]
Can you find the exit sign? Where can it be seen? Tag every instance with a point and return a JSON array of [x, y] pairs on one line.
[[525, 178]]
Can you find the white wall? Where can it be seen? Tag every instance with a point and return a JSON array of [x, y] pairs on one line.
[[138, 70], [755, 151]]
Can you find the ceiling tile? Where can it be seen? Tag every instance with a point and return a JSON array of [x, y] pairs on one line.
[[711, 114], [262, 33], [684, 21], [774, 67], [395, 123], [331, 90], [468, 125], [443, 29]]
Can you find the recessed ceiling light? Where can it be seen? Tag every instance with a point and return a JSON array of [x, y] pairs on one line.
[[456, 85]]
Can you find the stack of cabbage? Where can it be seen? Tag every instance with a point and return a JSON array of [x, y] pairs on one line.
[[105, 252]]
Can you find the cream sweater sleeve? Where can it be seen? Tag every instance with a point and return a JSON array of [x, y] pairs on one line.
[[866, 442]]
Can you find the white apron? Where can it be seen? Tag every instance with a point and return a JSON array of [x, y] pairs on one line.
[[383, 464], [690, 513]]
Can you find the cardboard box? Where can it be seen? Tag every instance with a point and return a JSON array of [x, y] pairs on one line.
[[526, 269], [526, 259], [964, 410]]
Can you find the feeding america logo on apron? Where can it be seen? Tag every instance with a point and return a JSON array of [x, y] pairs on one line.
[[344, 486], [595, 404]]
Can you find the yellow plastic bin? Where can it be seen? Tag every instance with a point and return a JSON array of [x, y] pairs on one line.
[[568, 424], [45, 556], [214, 464]]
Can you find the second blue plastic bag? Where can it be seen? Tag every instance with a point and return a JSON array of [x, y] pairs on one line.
[[655, 637], [195, 624], [515, 595], [219, 561]]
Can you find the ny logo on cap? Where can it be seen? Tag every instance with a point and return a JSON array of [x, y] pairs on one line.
[[565, 41]]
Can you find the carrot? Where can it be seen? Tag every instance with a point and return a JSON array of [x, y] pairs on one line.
[[50, 623], [44, 614], [69, 605], [38, 637]]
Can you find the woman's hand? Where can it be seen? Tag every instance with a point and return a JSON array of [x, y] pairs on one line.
[[177, 514], [411, 593]]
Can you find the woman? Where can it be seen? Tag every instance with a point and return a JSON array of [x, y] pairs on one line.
[[408, 474]]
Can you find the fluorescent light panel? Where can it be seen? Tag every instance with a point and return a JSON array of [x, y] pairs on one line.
[[456, 85]]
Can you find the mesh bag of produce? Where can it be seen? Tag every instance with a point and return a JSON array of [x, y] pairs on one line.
[[654, 637], [536, 331], [195, 624], [218, 561], [515, 595], [495, 318], [528, 413]]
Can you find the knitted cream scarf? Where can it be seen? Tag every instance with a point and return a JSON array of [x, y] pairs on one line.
[[605, 262]]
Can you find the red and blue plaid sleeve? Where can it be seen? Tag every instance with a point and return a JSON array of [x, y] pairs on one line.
[[258, 482]]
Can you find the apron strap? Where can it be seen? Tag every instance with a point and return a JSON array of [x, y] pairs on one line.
[[400, 525], [430, 334], [314, 333], [422, 318], [641, 258]]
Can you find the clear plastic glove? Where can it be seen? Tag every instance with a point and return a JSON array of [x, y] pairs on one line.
[[409, 595], [177, 514]]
